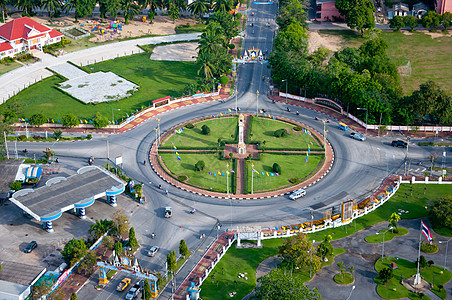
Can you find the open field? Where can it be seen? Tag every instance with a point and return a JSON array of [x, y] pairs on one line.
[[429, 57], [389, 235], [263, 129], [156, 79], [291, 166], [224, 128], [202, 179]]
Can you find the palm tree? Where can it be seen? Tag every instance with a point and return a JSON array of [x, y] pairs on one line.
[[198, 7], [130, 9], [222, 5], [205, 66], [3, 4], [152, 5], [211, 38], [51, 5], [101, 227], [27, 5]]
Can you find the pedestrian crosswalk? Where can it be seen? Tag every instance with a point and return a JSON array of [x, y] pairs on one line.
[[261, 20]]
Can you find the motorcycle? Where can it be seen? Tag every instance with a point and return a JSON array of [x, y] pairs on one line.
[[193, 211], [327, 120], [298, 113], [316, 118], [153, 235], [273, 101], [288, 109], [90, 160]]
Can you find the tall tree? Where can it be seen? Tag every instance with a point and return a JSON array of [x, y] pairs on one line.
[[109, 6], [432, 103], [394, 221], [74, 250], [281, 285], [183, 249], [205, 65], [82, 7], [171, 261], [211, 38], [152, 5], [132, 239], [297, 253], [198, 7], [120, 223], [3, 7], [397, 22], [446, 19], [130, 9], [431, 19], [222, 5], [292, 11], [100, 227], [146, 290], [228, 24], [27, 6], [410, 21], [359, 14], [52, 6]]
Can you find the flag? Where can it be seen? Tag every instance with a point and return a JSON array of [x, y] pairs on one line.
[[273, 118], [222, 174], [255, 171], [177, 153], [214, 174], [262, 172], [232, 171], [229, 110], [178, 157], [277, 174], [306, 159], [271, 174], [210, 173], [172, 143], [267, 174], [426, 232], [309, 149]]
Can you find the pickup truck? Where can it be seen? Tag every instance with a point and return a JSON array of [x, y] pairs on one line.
[[123, 284], [168, 212], [133, 292]]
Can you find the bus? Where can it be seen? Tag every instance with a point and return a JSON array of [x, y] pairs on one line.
[[343, 126]]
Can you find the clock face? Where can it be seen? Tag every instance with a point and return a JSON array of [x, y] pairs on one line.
[[253, 54]]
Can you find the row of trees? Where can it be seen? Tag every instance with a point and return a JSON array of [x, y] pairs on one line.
[[430, 20], [128, 8], [363, 77]]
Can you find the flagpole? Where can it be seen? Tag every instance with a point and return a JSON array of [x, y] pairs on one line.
[[252, 173], [227, 179], [417, 278]]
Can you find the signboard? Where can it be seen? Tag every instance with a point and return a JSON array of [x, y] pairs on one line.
[[118, 160], [63, 277], [347, 210], [249, 228]]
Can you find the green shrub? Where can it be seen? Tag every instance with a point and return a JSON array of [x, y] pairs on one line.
[[22, 137], [89, 136], [427, 248], [37, 119], [280, 132], [57, 134], [182, 177], [294, 180], [224, 80], [238, 16], [276, 168], [189, 126], [205, 129], [231, 46], [199, 166], [298, 128], [16, 185]]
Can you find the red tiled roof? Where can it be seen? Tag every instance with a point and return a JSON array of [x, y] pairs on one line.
[[16, 29], [54, 33], [5, 46]]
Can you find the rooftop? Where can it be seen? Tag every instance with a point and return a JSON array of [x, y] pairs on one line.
[[20, 273]]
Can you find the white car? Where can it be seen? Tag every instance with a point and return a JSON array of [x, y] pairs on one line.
[[297, 194], [357, 136], [153, 250]]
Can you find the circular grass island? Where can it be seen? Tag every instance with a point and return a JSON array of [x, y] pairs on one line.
[[345, 278], [240, 155]]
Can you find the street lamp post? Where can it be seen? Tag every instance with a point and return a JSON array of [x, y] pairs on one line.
[[252, 177], [360, 108], [257, 103], [113, 117], [353, 287], [213, 84], [227, 179], [286, 80], [236, 96], [310, 253], [383, 248], [445, 254]]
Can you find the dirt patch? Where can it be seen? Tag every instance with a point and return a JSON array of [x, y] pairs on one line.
[[162, 25], [406, 32], [176, 52], [331, 42], [435, 35]]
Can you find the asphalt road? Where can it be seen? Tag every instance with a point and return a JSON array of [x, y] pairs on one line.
[[358, 169]]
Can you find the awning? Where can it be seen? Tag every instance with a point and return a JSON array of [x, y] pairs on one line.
[[161, 99], [33, 172]]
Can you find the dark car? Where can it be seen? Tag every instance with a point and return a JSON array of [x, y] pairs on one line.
[[30, 247], [399, 143]]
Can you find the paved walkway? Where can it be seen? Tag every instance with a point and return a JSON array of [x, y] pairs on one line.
[[13, 82], [67, 70]]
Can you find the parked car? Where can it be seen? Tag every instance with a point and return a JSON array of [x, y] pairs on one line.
[[123, 284], [399, 143], [168, 212], [297, 194], [153, 250], [357, 136], [133, 292], [32, 245]]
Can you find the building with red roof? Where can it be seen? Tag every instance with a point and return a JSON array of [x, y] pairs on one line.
[[24, 34]]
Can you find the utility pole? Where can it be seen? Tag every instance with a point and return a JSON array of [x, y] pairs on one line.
[[257, 104], [108, 150], [406, 153], [227, 178], [6, 145], [252, 177], [236, 96], [286, 80]]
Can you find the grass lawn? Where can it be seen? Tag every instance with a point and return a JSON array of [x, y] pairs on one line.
[[244, 261], [402, 199], [202, 179], [345, 278], [389, 235], [393, 289], [157, 79], [199, 27], [263, 128], [291, 166], [430, 58], [193, 138], [6, 67]]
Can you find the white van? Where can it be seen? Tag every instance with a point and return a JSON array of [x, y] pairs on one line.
[[297, 194]]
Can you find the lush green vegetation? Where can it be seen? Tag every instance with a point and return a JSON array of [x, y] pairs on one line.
[[263, 131], [202, 179], [389, 235], [199, 27], [292, 166], [220, 128], [235, 261], [393, 289], [156, 79]]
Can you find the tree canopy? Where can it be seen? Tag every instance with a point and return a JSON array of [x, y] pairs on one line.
[[359, 14]]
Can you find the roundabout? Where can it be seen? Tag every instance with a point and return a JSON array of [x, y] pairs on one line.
[[241, 156]]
